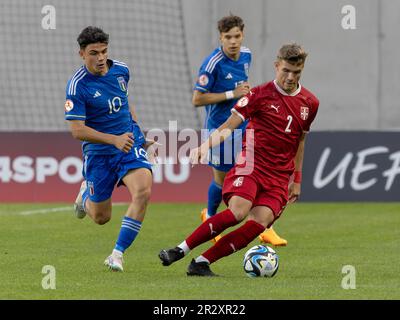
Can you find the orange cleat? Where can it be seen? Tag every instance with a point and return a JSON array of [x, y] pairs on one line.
[[270, 236], [203, 216]]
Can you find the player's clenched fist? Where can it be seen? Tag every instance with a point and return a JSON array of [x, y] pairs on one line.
[[124, 142], [294, 192], [241, 90]]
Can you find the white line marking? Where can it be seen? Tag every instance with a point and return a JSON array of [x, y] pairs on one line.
[[58, 209], [39, 211]]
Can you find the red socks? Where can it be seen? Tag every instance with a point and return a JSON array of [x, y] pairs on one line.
[[234, 241], [211, 228]]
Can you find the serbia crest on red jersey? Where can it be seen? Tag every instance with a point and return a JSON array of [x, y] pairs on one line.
[[238, 182], [304, 111]]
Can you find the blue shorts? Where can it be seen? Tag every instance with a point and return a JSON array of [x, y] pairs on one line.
[[222, 157], [103, 172]]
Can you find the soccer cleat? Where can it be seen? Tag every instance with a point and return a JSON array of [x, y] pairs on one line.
[[203, 216], [114, 263], [171, 255], [201, 269], [79, 209], [270, 236]]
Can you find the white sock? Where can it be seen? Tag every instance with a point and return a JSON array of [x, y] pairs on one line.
[[117, 254], [201, 259], [184, 247]]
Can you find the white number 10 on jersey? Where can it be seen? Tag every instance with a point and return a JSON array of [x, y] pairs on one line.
[[114, 104]]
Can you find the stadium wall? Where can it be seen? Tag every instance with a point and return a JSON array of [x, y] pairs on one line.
[[338, 166], [352, 71]]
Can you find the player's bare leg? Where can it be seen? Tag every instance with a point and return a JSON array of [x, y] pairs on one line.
[[271, 237], [139, 183], [100, 212]]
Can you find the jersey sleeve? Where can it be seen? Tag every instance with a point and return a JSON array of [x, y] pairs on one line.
[[206, 78], [128, 74], [247, 105], [314, 104], [127, 78], [75, 106]]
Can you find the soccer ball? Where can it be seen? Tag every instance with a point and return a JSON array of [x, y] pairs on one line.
[[260, 261]]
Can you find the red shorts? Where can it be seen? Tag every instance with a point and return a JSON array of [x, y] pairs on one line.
[[260, 189]]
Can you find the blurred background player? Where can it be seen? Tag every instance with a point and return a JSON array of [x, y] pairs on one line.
[[113, 145], [281, 113], [222, 80]]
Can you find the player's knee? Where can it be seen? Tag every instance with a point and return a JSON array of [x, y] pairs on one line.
[[142, 195], [265, 219], [101, 219], [239, 208]]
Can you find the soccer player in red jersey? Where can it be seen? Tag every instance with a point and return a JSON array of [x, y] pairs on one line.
[[268, 175]]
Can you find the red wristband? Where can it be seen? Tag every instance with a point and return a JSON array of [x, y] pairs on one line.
[[297, 177]]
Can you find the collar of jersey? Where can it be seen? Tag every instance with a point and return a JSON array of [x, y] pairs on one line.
[[281, 91]]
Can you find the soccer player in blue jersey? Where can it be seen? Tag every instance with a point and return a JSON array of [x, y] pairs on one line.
[[99, 114], [222, 80]]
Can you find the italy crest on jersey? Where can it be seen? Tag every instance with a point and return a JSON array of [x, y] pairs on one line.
[[122, 83]]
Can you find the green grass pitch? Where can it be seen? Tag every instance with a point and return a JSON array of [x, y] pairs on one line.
[[323, 238]]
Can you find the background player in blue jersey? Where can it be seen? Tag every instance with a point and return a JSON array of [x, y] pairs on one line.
[[113, 145], [222, 80]]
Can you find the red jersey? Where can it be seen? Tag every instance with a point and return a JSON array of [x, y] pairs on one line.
[[278, 120]]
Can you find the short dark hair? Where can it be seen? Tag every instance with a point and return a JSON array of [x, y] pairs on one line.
[[227, 23], [292, 53], [91, 35]]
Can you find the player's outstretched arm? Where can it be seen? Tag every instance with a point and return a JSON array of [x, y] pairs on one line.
[[204, 98], [82, 132], [219, 135]]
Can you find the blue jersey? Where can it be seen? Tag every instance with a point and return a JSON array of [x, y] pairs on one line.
[[102, 102], [217, 74]]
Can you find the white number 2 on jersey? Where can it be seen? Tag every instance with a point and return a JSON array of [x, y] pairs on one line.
[[290, 119]]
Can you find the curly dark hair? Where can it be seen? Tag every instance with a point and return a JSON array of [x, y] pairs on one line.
[[227, 23], [91, 35]]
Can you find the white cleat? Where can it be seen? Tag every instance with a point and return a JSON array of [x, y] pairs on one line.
[[80, 212], [114, 263]]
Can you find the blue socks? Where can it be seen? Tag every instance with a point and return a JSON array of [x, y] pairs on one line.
[[129, 230], [214, 198]]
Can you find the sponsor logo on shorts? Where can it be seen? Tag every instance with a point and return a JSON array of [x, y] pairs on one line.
[[91, 187], [238, 182]]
